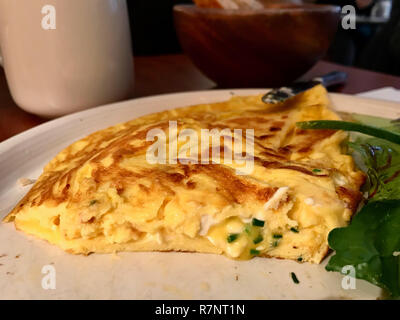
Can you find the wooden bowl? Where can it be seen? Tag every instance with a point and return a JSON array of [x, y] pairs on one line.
[[256, 48]]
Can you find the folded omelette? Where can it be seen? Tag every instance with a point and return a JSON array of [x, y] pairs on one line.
[[103, 195]]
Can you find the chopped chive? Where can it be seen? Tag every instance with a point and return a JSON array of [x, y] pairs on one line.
[[247, 228], [294, 278], [258, 239], [258, 223], [254, 252], [275, 243], [294, 230], [232, 237], [300, 259], [92, 202], [277, 236], [316, 170]]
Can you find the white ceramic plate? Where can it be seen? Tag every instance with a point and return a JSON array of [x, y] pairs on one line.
[[146, 275]]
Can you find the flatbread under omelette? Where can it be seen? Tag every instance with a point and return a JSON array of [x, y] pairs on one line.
[[101, 194]]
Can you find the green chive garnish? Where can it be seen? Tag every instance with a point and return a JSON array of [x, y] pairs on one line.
[[247, 228], [277, 236], [294, 230], [258, 239], [351, 126], [254, 252], [294, 278], [316, 170], [258, 223], [232, 237], [300, 259], [92, 202], [275, 243]]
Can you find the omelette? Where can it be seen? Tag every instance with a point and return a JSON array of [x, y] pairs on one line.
[[102, 194]]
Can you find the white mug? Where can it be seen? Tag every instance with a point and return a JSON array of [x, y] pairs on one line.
[[62, 56]]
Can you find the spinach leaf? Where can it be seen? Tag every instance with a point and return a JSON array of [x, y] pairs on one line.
[[370, 245], [380, 160]]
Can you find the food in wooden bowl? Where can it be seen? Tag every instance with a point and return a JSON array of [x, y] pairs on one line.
[[265, 47], [240, 4]]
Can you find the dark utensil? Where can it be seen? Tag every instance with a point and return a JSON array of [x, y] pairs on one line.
[[281, 94]]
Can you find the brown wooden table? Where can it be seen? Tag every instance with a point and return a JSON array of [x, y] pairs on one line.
[[175, 73]]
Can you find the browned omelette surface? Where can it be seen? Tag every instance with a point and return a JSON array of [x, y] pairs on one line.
[[101, 194]]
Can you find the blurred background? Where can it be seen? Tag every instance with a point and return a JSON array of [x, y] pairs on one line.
[[374, 44]]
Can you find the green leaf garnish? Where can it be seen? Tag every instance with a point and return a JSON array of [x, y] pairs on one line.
[[371, 241], [277, 236], [369, 245], [388, 124], [316, 170], [232, 237], [258, 223], [295, 230], [351, 126], [381, 162]]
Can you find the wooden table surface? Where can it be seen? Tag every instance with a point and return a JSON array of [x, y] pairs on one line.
[[175, 73]]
